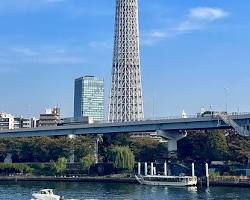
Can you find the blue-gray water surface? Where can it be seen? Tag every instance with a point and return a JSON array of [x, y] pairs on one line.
[[120, 191]]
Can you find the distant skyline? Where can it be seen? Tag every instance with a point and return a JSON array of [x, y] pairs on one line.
[[194, 53]]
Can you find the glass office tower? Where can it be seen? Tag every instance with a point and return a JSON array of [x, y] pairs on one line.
[[89, 98]]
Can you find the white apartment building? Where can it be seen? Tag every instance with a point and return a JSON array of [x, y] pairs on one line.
[[21, 122], [6, 121]]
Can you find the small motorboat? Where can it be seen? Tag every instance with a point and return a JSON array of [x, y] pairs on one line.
[[46, 194]]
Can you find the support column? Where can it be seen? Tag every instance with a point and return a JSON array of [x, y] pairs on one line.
[[96, 144], [146, 169], [165, 169], [72, 148], [155, 171], [207, 174], [8, 158], [193, 171], [152, 169], [173, 137], [139, 168]]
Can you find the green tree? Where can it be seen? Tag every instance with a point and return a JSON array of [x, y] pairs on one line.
[[122, 157], [3, 153], [60, 165], [148, 150], [83, 146], [218, 147], [112, 139], [86, 162], [239, 148], [194, 147], [203, 145]]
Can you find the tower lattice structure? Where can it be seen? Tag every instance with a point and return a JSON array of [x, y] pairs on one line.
[[126, 99]]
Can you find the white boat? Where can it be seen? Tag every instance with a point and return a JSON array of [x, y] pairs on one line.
[[46, 194], [167, 180]]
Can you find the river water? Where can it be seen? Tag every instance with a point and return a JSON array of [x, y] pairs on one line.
[[109, 191]]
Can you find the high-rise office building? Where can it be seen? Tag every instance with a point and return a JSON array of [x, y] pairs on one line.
[[89, 98], [126, 100]]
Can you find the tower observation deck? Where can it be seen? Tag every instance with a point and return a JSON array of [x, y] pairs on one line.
[[126, 99]]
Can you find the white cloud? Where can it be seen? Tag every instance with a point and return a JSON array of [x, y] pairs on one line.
[[196, 20], [40, 55], [100, 45], [153, 36], [24, 51], [206, 13]]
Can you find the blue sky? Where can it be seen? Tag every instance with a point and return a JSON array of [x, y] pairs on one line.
[[191, 50]]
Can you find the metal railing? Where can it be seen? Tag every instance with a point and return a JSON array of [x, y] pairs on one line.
[[239, 129], [198, 115]]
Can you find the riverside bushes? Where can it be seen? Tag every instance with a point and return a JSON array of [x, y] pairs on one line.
[[14, 168]]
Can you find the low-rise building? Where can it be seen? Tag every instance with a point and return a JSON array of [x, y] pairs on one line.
[[76, 121], [51, 117], [21, 122], [6, 121]]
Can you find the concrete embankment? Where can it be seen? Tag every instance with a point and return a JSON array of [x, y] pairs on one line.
[[230, 183], [109, 179], [69, 179], [227, 181]]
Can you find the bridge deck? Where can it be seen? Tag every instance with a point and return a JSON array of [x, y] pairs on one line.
[[209, 122]]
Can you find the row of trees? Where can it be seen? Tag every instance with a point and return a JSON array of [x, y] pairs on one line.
[[121, 150], [214, 145], [45, 149]]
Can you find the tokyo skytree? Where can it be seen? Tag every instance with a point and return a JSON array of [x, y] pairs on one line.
[[126, 99]]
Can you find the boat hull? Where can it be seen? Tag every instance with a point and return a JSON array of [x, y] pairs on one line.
[[45, 197], [185, 181]]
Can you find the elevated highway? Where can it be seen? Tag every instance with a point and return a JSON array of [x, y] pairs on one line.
[[168, 125]]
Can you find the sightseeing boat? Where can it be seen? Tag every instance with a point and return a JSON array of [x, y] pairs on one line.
[[167, 180]]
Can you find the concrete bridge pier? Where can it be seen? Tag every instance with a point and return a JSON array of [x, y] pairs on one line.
[[173, 137], [97, 139]]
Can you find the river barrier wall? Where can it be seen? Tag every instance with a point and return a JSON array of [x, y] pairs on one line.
[[105, 179], [236, 182], [231, 181]]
